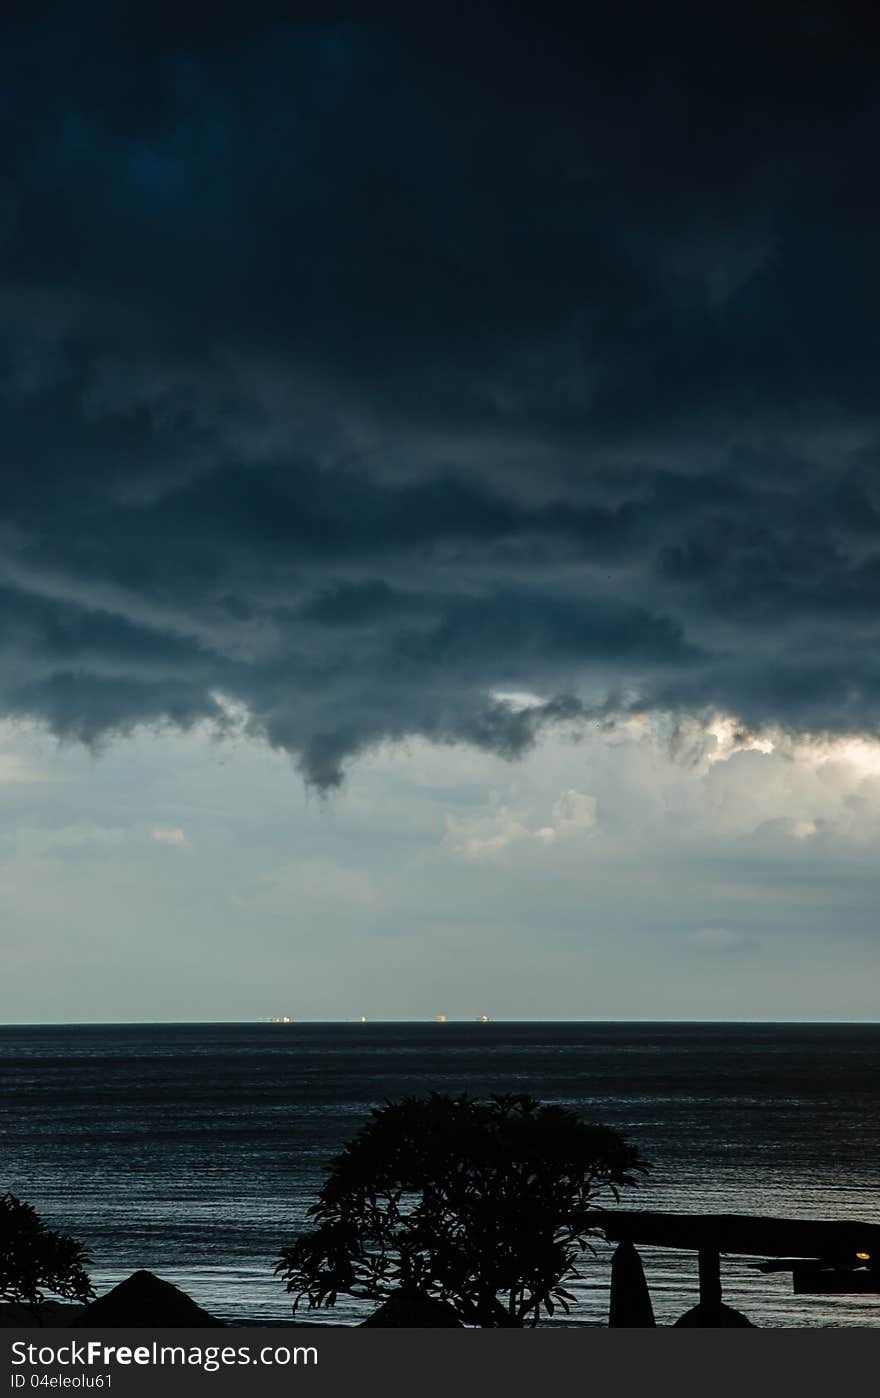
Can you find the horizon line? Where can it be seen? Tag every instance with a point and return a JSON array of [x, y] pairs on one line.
[[423, 1019]]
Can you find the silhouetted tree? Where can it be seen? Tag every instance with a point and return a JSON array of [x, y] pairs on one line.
[[483, 1205], [35, 1262]]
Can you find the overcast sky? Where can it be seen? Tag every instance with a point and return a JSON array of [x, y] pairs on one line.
[[440, 528]]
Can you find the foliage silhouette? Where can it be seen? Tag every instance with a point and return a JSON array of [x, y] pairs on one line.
[[483, 1205], [35, 1262]]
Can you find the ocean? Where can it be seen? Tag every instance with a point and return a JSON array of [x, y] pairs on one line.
[[194, 1150]]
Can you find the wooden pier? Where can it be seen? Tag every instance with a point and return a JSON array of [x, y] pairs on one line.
[[824, 1257]]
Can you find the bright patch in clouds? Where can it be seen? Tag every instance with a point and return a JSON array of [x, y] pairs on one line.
[[862, 754], [517, 700], [169, 835], [572, 815], [730, 738]]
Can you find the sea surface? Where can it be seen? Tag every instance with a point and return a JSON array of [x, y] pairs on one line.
[[195, 1149]]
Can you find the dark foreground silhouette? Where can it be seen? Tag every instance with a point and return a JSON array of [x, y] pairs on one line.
[[487, 1207], [36, 1262], [411, 1311], [446, 1212], [630, 1297], [718, 1317], [144, 1300]]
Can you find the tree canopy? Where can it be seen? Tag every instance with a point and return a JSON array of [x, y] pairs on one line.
[[485, 1205], [35, 1262]]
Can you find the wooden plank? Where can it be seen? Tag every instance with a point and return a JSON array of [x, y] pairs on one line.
[[815, 1282], [745, 1234]]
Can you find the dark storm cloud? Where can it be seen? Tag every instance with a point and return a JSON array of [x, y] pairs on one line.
[[356, 370]]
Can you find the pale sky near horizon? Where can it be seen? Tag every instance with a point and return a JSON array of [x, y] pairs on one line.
[[611, 875]]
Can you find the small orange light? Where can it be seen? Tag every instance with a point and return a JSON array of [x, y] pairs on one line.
[[863, 1256]]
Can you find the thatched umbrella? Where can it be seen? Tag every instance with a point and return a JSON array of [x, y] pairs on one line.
[[411, 1310], [144, 1300]]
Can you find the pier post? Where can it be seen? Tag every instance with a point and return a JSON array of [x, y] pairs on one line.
[[710, 1281]]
